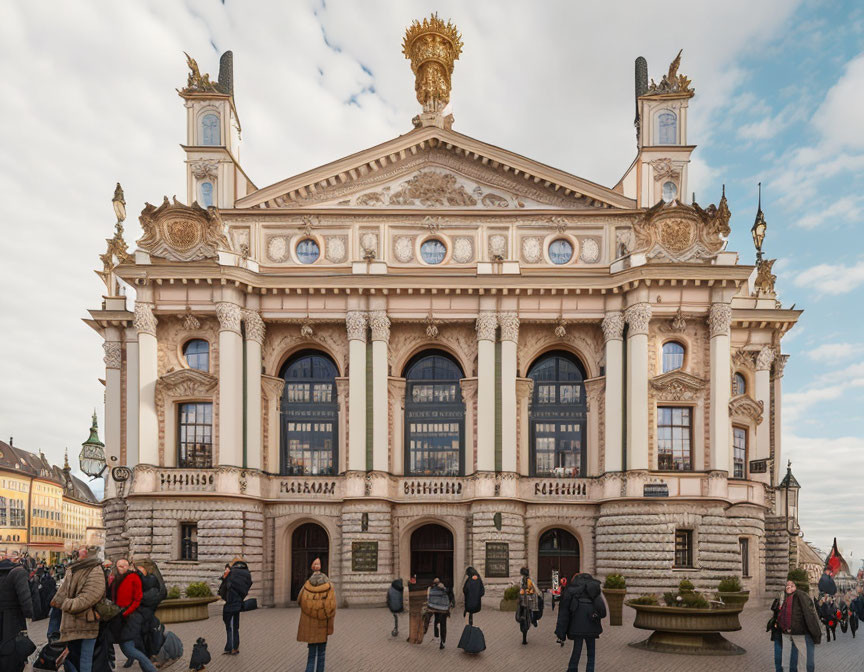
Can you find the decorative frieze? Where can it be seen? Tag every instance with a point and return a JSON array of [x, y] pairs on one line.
[[190, 322], [613, 326], [229, 316], [403, 248], [532, 251], [638, 317], [720, 319], [497, 247], [590, 250], [255, 327], [463, 250], [509, 323], [677, 386], [113, 354], [335, 248], [744, 406], [765, 358], [487, 323], [145, 321], [356, 323], [379, 324]]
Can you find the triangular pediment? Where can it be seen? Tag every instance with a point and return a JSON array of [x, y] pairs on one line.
[[436, 168], [677, 385]]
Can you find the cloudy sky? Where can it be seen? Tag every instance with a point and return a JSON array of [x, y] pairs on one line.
[[89, 99]]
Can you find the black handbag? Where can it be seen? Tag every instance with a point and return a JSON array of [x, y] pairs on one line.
[[24, 646], [106, 609], [51, 657], [250, 605]]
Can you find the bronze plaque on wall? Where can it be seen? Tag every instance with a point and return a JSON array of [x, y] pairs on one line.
[[364, 556], [497, 559]]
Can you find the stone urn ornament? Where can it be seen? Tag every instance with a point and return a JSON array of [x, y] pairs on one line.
[[614, 590]]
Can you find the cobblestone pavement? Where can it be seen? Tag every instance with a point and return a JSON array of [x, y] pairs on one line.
[[362, 643]]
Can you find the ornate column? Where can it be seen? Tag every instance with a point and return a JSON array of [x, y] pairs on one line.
[[509, 323], [148, 422], [113, 358], [255, 331], [356, 324], [764, 360], [776, 418], [719, 322], [524, 389], [396, 387], [131, 397], [486, 325], [469, 397], [638, 317], [379, 324], [613, 334], [230, 384]]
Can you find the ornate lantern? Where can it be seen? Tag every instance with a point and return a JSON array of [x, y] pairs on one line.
[[790, 487], [92, 456], [759, 227]]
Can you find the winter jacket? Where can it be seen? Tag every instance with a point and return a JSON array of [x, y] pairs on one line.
[[827, 585], [805, 620], [237, 585], [582, 609], [47, 591], [126, 592], [857, 606], [80, 592], [317, 601], [16, 605], [439, 599], [828, 613], [395, 597], [473, 591]]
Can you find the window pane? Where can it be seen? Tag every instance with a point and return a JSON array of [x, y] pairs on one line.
[[560, 251], [210, 130], [667, 128], [673, 356], [670, 191], [739, 443], [307, 251], [195, 449], [673, 438], [433, 251], [206, 194]]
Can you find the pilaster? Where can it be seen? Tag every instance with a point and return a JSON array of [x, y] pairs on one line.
[[255, 331], [230, 384], [638, 317], [719, 323], [509, 323], [764, 360], [379, 325], [356, 324], [613, 334], [487, 324], [148, 421]]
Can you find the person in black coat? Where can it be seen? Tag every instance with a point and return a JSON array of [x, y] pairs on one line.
[[579, 618], [826, 584], [777, 637], [153, 591], [396, 603], [16, 605], [473, 592], [828, 614], [236, 582]]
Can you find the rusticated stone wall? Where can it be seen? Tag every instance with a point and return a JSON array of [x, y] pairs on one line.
[[777, 553], [367, 588], [114, 519], [483, 530]]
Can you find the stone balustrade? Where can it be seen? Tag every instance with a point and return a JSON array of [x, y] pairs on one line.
[[187, 480]]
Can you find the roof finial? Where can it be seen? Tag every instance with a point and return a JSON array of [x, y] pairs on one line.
[[432, 46], [66, 466]]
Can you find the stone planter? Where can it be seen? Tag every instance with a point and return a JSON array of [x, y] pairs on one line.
[[688, 631], [734, 599], [508, 605], [615, 602], [184, 609]]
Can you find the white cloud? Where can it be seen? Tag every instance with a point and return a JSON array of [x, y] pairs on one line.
[[831, 278], [845, 209], [833, 353], [839, 116]]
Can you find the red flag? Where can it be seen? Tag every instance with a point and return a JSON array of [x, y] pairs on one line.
[[834, 560]]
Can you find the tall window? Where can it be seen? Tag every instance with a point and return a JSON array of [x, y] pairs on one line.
[[309, 416], [197, 354], [434, 416], [673, 438], [4, 519], [739, 445], [558, 415], [206, 194], [739, 385], [210, 130], [17, 513], [189, 541], [744, 545], [683, 548], [667, 128], [673, 356], [195, 435]]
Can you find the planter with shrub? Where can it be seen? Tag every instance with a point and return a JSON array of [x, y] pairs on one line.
[[730, 592], [510, 602], [192, 607], [799, 576], [614, 590]]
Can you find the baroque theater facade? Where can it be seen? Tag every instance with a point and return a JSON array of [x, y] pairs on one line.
[[437, 353]]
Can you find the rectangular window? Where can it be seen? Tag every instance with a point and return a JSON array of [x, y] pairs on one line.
[[189, 541], [744, 544], [683, 548], [674, 431], [739, 444], [195, 435], [17, 513]]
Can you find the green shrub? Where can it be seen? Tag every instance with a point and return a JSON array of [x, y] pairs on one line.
[[511, 593], [645, 599], [686, 586], [693, 601], [615, 582], [174, 593], [671, 599], [799, 576], [729, 584], [198, 589]]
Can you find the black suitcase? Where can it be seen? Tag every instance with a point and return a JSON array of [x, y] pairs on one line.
[[51, 657], [250, 605], [472, 640]]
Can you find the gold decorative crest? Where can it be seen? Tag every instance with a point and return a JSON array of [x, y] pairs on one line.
[[672, 82], [182, 233], [432, 46]]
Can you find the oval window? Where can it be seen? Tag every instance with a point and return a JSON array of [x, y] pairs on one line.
[[670, 191], [560, 251], [433, 251], [308, 251], [206, 194]]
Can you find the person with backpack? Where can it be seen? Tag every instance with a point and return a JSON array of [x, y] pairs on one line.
[[16, 605], [530, 607], [580, 619], [473, 591], [396, 603], [317, 600], [126, 628], [153, 591], [237, 580], [439, 602]]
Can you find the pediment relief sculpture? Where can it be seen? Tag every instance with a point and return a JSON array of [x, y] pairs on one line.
[[677, 386], [180, 232], [187, 383], [744, 406]]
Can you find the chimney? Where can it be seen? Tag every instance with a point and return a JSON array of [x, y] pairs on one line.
[[226, 73], [641, 87]]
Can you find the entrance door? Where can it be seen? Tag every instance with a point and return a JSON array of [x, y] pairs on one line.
[[309, 541], [432, 555], [558, 549]]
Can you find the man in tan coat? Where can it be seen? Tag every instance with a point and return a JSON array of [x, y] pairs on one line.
[[83, 588], [317, 610]]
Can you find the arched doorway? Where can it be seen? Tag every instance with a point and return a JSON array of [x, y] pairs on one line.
[[432, 554], [309, 541], [557, 549]]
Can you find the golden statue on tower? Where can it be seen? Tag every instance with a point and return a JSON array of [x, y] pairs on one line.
[[432, 46]]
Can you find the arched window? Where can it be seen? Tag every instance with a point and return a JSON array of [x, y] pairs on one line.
[[308, 441], [206, 194], [434, 416], [673, 356], [197, 354], [210, 130], [667, 128], [739, 385], [670, 191], [558, 415]]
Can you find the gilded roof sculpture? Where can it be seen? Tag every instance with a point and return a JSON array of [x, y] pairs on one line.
[[671, 82], [432, 46]]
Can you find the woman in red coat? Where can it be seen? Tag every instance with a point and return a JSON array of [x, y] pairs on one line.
[[126, 593]]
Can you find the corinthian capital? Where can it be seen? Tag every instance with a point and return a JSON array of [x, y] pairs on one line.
[[509, 323], [638, 316], [486, 325], [356, 323], [229, 315], [255, 327], [379, 323], [779, 365], [720, 319], [765, 358], [613, 326], [112, 356], [145, 321]]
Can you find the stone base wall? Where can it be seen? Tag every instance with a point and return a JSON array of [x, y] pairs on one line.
[[114, 519], [777, 561]]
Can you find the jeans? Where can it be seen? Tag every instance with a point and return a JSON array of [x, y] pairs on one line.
[[395, 624], [800, 642], [54, 618], [129, 650], [82, 649], [316, 650], [793, 655], [441, 626], [577, 653], [232, 630]]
